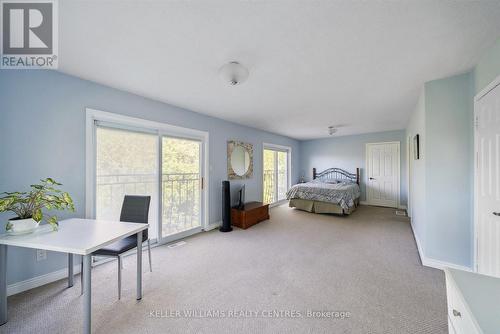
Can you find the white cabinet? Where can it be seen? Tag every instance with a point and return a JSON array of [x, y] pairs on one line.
[[473, 302]]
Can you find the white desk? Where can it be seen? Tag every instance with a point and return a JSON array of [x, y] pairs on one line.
[[75, 236]]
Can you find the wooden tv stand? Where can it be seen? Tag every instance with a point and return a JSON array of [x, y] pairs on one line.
[[251, 214]]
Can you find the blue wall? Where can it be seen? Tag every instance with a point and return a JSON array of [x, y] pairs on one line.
[[441, 182], [42, 131], [348, 152], [488, 67], [42, 117], [416, 186], [450, 169]]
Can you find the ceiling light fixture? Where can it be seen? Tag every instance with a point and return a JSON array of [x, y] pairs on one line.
[[234, 73], [332, 130]]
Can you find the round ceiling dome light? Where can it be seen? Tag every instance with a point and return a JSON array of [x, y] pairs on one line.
[[234, 73]]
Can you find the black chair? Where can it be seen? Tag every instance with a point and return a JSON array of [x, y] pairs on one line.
[[135, 209]]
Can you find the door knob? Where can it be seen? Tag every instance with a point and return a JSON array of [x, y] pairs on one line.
[[456, 313], [496, 213], [371, 178]]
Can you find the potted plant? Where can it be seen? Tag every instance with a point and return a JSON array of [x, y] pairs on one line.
[[29, 206]]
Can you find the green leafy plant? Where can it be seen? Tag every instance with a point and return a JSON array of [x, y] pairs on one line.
[[31, 204]]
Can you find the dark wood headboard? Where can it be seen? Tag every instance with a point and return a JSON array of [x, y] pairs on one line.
[[336, 173]]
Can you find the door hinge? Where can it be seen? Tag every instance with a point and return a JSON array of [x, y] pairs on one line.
[[476, 122], [202, 183]]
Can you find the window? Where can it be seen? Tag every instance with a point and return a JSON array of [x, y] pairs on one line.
[[126, 164], [130, 156], [181, 184], [276, 173]]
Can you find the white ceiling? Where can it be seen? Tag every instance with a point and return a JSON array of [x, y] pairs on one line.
[[358, 64]]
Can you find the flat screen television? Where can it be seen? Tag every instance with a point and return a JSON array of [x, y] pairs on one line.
[[241, 198]]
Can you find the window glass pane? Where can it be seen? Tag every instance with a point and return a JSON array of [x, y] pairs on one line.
[[181, 193], [126, 164], [282, 175], [269, 187]]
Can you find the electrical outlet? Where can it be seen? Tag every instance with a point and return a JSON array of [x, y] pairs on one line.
[[41, 255]]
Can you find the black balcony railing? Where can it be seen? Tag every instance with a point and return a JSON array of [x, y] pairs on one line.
[[181, 202], [270, 185], [180, 197]]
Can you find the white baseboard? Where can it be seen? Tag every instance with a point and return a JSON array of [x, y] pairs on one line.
[[401, 207], [37, 281], [57, 275], [441, 265], [417, 241], [212, 226], [283, 201], [433, 263]]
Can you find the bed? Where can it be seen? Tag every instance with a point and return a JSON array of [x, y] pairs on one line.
[[333, 190]]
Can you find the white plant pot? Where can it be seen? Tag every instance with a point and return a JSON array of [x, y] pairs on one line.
[[21, 226]]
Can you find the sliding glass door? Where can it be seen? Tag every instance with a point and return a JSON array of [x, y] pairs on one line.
[[281, 174], [135, 161], [269, 185], [126, 164], [182, 183], [276, 178]]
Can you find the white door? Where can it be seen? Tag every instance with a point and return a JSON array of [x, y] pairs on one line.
[[487, 183], [382, 165]]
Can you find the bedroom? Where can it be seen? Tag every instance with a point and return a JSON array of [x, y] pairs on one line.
[[148, 113]]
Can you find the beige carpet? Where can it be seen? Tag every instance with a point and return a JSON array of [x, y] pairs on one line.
[[365, 264]]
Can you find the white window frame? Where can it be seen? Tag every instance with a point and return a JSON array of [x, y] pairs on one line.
[[281, 148], [92, 115]]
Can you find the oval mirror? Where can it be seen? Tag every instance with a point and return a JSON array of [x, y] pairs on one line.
[[240, 160]]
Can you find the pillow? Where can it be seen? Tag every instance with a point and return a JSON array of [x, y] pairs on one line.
[[335, 181], [329, 181]]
